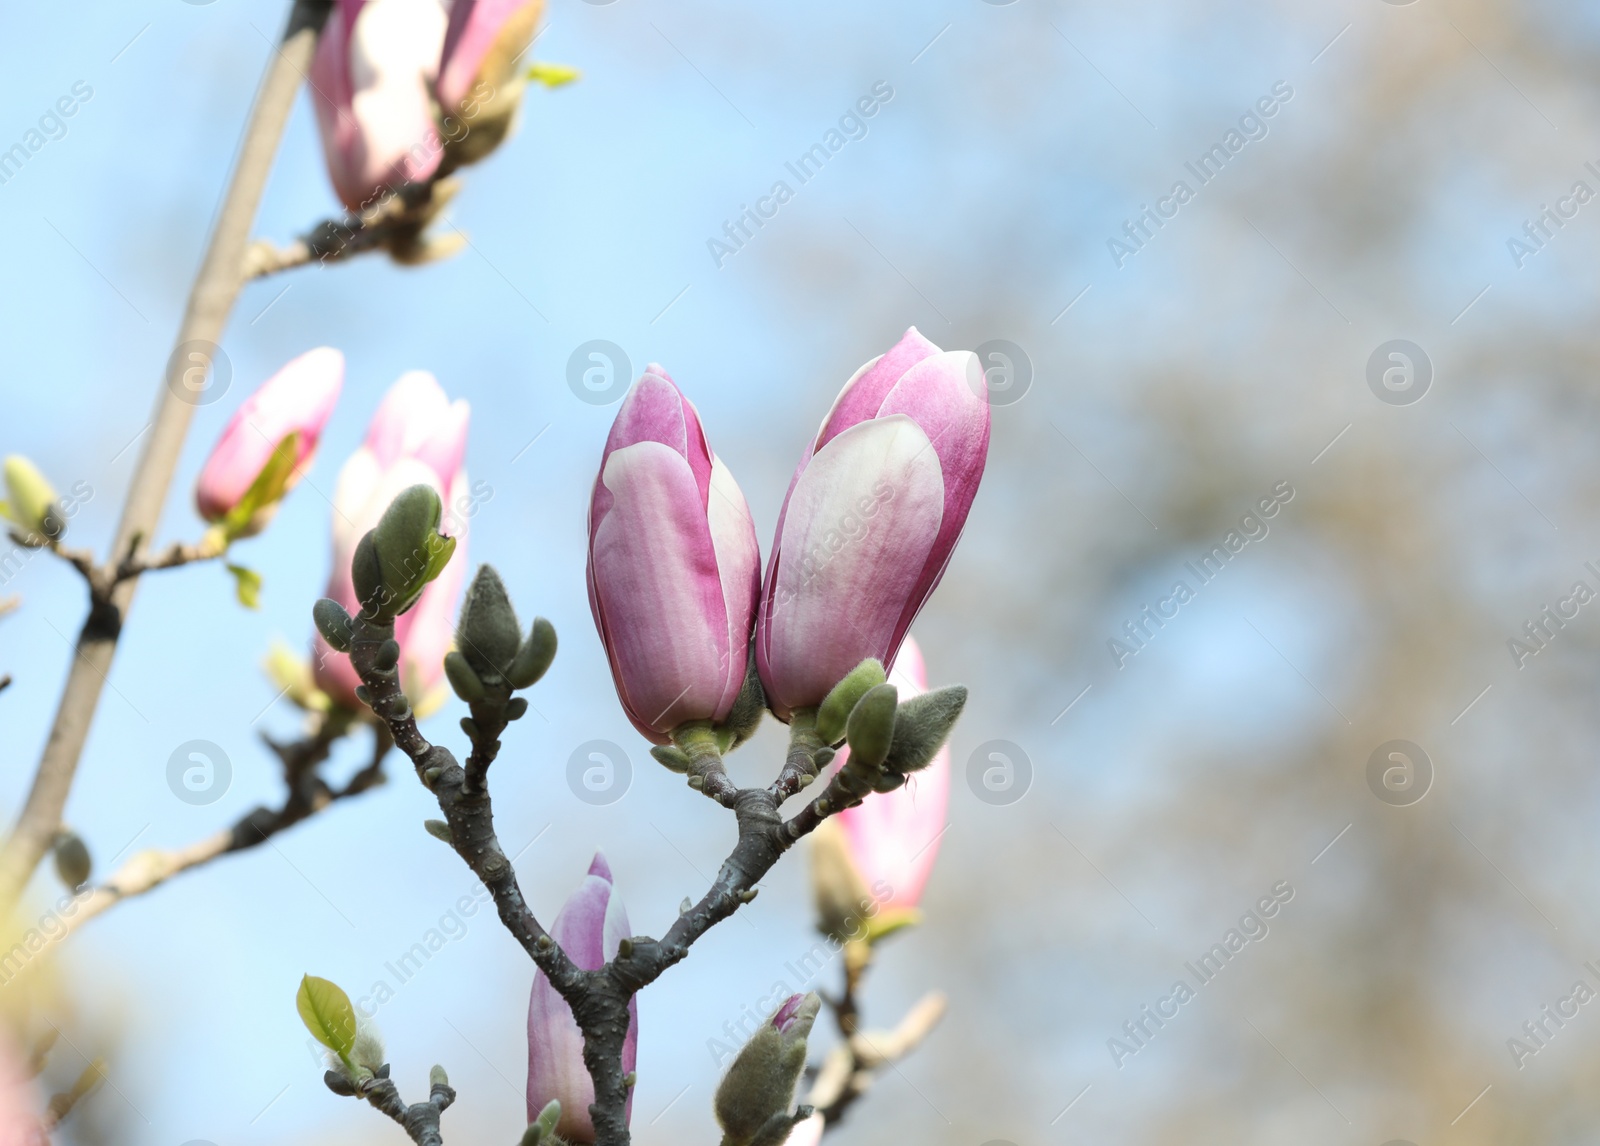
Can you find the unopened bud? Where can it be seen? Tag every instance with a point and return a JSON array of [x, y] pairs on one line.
[[409, 549], [759, 1086], [672, 758], [870, 729], [488, 633], [30, 503], [533, 655], [748, 707], [466, 683], [921, 726], [334, 624], [72, 859], [834, 712]]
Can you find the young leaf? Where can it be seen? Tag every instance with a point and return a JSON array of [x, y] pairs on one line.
[[326, 1011], [552, 75], [247, 586], [266, 490]]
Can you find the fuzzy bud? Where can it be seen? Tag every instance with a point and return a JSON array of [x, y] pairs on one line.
[[72, 859], [747, 710], [841, 701], [921, 726], [488, 633], [759, 1086], [468, 685], [870, 729], [333, 623], [534, 655]]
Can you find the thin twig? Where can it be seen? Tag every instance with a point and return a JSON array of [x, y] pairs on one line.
[[393, 222], [216, 287], [308, 795]]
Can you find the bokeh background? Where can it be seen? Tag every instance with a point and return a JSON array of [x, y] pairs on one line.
[[1163, 398]]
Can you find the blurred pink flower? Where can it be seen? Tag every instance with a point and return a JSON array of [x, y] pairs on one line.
[[297, 399], [674, 567], [417, 437], [19, 1121], [372, 84], [589, 929], [484, 36], [807, 1133], [871, 518], [892, 838]]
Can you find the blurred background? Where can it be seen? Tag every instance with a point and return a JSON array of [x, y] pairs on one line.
[[1160, 391]]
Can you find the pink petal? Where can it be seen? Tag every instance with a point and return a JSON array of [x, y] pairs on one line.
[[658, 592], [864, 393], [475, 25], [299, 398], [738, 557], [857, 531]]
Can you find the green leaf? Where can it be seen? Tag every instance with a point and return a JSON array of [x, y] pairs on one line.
[[326, 1011], [552, 75], [267, 489], [247, 586]]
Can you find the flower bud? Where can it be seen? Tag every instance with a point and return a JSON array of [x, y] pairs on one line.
[[871, 862], [590, 928], [73, 864], [417, 436], [464, 679], [837, 705], [269, 443], [872, 516], [921, 726], [410, 549], [674, 570], [30, 504], [759, 1085], [870, 729], [333, 623], [480, 84], [488, 634]]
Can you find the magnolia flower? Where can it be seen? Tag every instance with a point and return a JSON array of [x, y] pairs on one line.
[[297, 400], [674, 568], [589, 929], [371, 82], [882, 850], [480, 87], [417, 437], [872, 516], [19, 1125]]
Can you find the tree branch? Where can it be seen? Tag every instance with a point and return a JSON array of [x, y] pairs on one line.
[[308, 795], [851, 1067], [420, 1120], [394, 222], [211, 299]]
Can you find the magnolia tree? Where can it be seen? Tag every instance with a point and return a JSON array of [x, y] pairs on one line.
[[702, 642]]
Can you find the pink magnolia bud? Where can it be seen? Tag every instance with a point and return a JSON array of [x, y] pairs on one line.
[[298, 399], [481, 45], [417, 437], [589, 929], [892, 838], [872, 516], [674, 568], [371, 82]]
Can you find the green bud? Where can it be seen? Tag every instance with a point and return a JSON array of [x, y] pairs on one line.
[[516, 708], [334, 624], [470, 727], [922, 725], [466, 683], [836, 707], [543, 1128], [488, 632], [748, 707], [534, 656], [388, 655], [367, 576], [364, 695], [439, 830], [672, 758], [336, 1081], [72, 859], [31, 503], [759, 1085], [437, 1076], [870, 729], [410, 549]]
